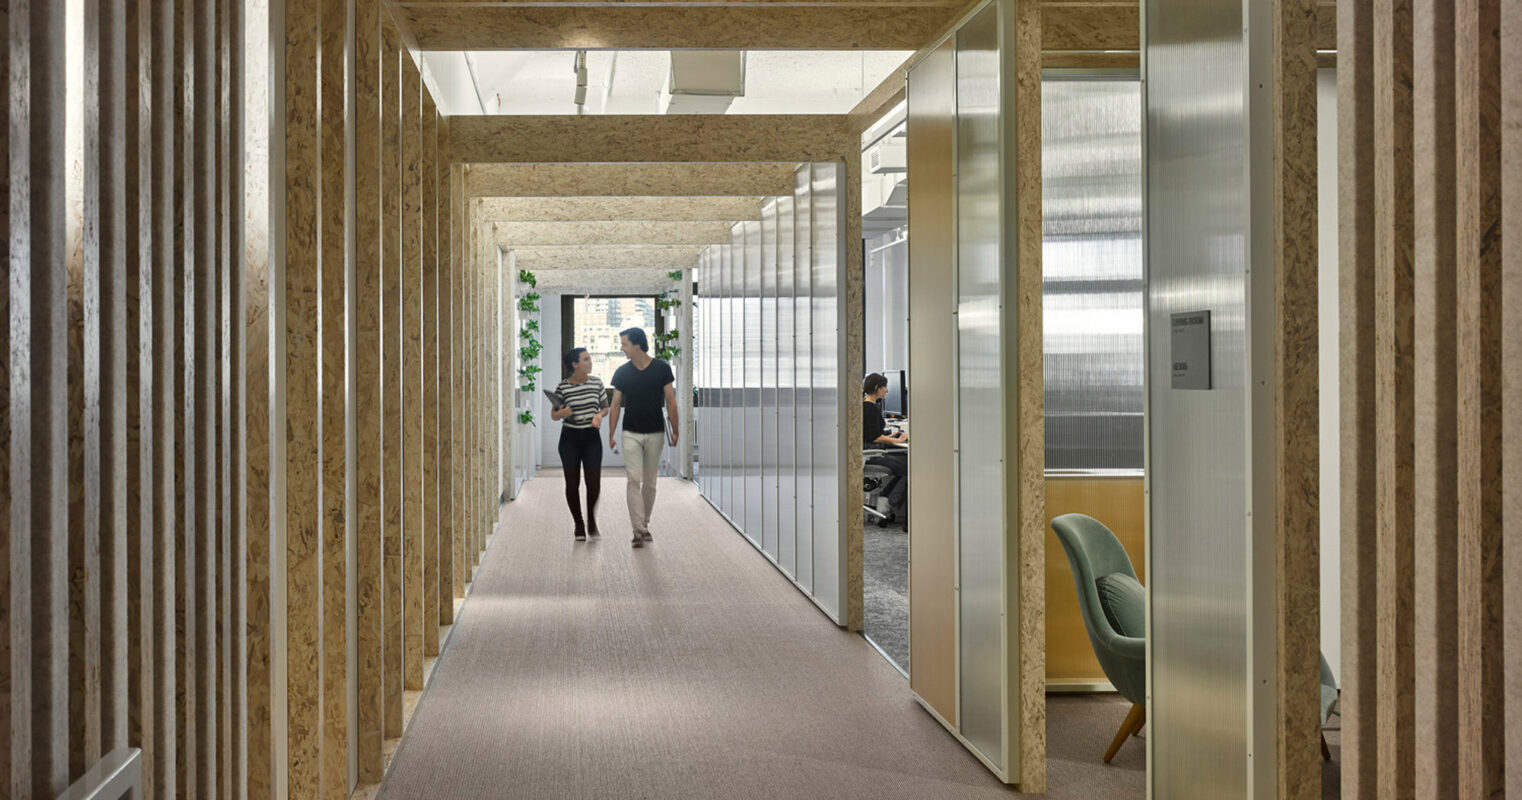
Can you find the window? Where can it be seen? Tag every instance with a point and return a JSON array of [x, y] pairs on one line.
[[594, 322]]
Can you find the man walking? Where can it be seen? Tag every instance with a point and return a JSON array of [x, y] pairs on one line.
[[642, 384]]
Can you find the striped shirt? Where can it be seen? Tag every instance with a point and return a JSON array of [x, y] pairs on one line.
[[585, 400]]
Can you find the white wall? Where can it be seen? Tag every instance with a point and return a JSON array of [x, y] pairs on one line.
[[1331, 532]]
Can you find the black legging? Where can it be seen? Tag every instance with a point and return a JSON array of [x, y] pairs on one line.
[[581, 450]]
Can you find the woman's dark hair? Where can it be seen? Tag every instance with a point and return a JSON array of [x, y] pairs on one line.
[[571, 358], [637, 338], [873, 383]]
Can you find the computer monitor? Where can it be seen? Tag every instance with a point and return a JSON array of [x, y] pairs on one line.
[[896, 402]]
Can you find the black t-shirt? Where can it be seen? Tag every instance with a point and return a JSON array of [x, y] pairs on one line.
[[872, 425], [644, 393]]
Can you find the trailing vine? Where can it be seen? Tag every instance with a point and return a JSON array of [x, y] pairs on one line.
[[666, 348], [530, 348]]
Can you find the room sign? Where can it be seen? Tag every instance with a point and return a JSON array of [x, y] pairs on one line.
[[1190, 352]]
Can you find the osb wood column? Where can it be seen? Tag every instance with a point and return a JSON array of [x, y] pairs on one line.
[[459, 452], [1028, 664], [1436, 440], [303, 448], [331, 368], [1481, 662], [257, 287], [449, 585], [36, 466], [369, 580], [1438, 516], [391, 371], [428, 175], [412, 375], [1511, 366]]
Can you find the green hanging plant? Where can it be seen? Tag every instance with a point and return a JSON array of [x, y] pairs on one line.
[[532, 326], [529, 303], [526, 277], [526, 417], [665, 345], [675, 275]]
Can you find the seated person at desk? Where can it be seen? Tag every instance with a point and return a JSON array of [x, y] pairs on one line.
[[876, 437]]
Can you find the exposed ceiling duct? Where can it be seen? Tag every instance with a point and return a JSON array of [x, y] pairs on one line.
[[704, 81], [581, 81]]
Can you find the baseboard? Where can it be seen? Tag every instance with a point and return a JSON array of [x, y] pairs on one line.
[[1078, 687]]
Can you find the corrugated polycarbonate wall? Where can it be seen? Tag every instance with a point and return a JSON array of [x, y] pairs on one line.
[[772, 391]]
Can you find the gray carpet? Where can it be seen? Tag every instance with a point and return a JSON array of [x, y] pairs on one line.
[[688, 669], [885, 589]]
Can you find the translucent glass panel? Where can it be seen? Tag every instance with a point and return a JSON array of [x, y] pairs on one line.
[[787, 446], [803, 393], [770, 310], [825, 341], [767, 399], [980, 395], [1092, 272]]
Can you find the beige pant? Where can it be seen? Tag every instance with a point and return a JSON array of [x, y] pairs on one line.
[[642, 462]]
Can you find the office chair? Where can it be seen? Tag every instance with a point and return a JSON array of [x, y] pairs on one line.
[[874, 483]]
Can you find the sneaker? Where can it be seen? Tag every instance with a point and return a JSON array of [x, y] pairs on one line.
[[647, 537], [581, 535], [638, 542], [594, 532]]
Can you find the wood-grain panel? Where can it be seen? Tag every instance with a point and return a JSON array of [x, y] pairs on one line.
[[1119, 503]]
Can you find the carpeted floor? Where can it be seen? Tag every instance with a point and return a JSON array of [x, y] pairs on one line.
[[885, 589], [689, 669]]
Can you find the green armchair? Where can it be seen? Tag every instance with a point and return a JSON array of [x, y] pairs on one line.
[[1117, 625]]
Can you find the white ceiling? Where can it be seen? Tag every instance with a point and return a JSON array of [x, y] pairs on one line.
[[630, 81]]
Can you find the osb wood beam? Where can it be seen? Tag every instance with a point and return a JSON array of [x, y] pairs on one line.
[[598, 181], [640, 138], [666, 257], [529, 234], [612, 209], [760, 26]]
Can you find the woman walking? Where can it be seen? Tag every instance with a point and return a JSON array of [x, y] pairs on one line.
[[580, 448]]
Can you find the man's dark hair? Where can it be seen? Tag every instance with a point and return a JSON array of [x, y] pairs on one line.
[[637, 338], [571, 358], [873, 382]]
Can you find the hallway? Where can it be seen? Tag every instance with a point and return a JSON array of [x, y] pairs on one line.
[[688, 669]]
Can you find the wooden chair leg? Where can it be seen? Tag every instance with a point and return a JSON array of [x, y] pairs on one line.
[[1140, 723], [1326, 752], [1133, 723]]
